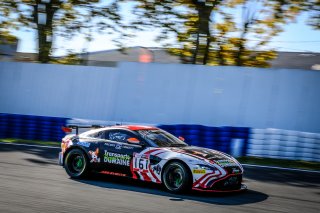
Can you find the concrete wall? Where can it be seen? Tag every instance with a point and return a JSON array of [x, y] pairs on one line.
[[165, 94]]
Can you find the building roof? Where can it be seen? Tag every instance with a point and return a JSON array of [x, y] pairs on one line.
[[297, 60], [291, 60]]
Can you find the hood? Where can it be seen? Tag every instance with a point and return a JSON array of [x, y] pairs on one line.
[[212, 156]]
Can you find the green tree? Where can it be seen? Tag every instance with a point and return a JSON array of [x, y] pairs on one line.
[[208, 33], [6, 22], [256, 22], [63, 18], [189, 20], [260, 22]]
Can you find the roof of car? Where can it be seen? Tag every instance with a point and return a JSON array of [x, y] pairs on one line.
[[129, 127], [136, 127]]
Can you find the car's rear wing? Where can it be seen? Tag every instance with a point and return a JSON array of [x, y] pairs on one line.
[[69, 128]]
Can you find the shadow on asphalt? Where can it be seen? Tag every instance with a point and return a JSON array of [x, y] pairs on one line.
[[292, 178], [40, 162], [125, 184], [46, 153]]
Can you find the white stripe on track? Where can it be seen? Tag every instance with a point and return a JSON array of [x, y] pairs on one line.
[[281, 168], [30, 145]]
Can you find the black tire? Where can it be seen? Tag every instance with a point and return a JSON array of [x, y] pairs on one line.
[[176, 177], [76, 164]]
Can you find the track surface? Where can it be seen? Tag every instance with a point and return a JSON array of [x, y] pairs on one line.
[[31, 181]]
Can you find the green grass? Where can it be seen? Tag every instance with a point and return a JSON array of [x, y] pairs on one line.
[[298, 164], [35, 142]]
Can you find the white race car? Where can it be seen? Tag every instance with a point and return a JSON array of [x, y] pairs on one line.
[[149, 154]]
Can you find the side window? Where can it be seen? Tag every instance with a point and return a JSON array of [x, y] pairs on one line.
[[118, 136], [98, 135]]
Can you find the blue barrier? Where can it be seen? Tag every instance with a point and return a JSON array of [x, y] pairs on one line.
[[31, 127], [219, 138], [272, 143]]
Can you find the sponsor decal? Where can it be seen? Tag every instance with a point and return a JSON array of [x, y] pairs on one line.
[[235, 170], [65, 145], [198, 171], [127, 147], [157, 169], [85, 144], [138, 155], [94, 156], [113, 173], [110, 144], [117, 136], [115, 158], [118, 146], [225, 163]]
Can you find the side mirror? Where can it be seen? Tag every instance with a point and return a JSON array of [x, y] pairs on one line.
[[181, 138], [133, 141]]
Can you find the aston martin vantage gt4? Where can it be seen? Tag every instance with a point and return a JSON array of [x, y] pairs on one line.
[[149, 154]]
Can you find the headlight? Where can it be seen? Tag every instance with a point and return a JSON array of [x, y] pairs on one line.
[[206, 167], [235, 160]]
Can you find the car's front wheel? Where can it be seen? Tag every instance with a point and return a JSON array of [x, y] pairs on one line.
[[176, 177], [76, 164]]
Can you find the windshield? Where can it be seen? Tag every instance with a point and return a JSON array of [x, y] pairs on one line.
[[161, 138]]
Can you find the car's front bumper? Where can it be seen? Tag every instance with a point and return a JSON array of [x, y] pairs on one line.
[[242, 188], [228, 183]]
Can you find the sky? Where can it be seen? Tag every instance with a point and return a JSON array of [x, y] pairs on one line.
[[296, 37]]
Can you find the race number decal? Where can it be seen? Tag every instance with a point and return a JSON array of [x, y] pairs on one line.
[[141, 163], [142, 167]]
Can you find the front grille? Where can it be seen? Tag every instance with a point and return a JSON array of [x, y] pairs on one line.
[[232, 169], [230, 183]]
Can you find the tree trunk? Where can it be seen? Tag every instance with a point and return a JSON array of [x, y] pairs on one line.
[[207, 49], [204, 13], [239, 61], [43, 17], [195, 52], [241, 47], [44, 47], [220, 55]]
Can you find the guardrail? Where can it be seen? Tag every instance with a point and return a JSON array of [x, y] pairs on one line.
[[238, 141]]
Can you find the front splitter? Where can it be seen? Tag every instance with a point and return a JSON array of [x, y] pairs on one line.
[[243, 188]]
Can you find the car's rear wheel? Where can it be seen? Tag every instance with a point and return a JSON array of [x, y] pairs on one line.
[[176, 177], [76, 164]]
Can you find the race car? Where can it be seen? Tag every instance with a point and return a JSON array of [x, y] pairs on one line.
[[149, 154]]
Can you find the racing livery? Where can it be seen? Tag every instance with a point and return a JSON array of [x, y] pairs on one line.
[[149, 154]]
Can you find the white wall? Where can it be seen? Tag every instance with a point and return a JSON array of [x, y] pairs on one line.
[[165, 94]]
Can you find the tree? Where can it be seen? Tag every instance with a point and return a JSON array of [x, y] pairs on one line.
[[314, 8], [263, 20], [6, 22], [256, 22], [170, 15], [209, 34], [63, 17]]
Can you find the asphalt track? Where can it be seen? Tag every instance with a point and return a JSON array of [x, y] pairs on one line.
[[31, 181]]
